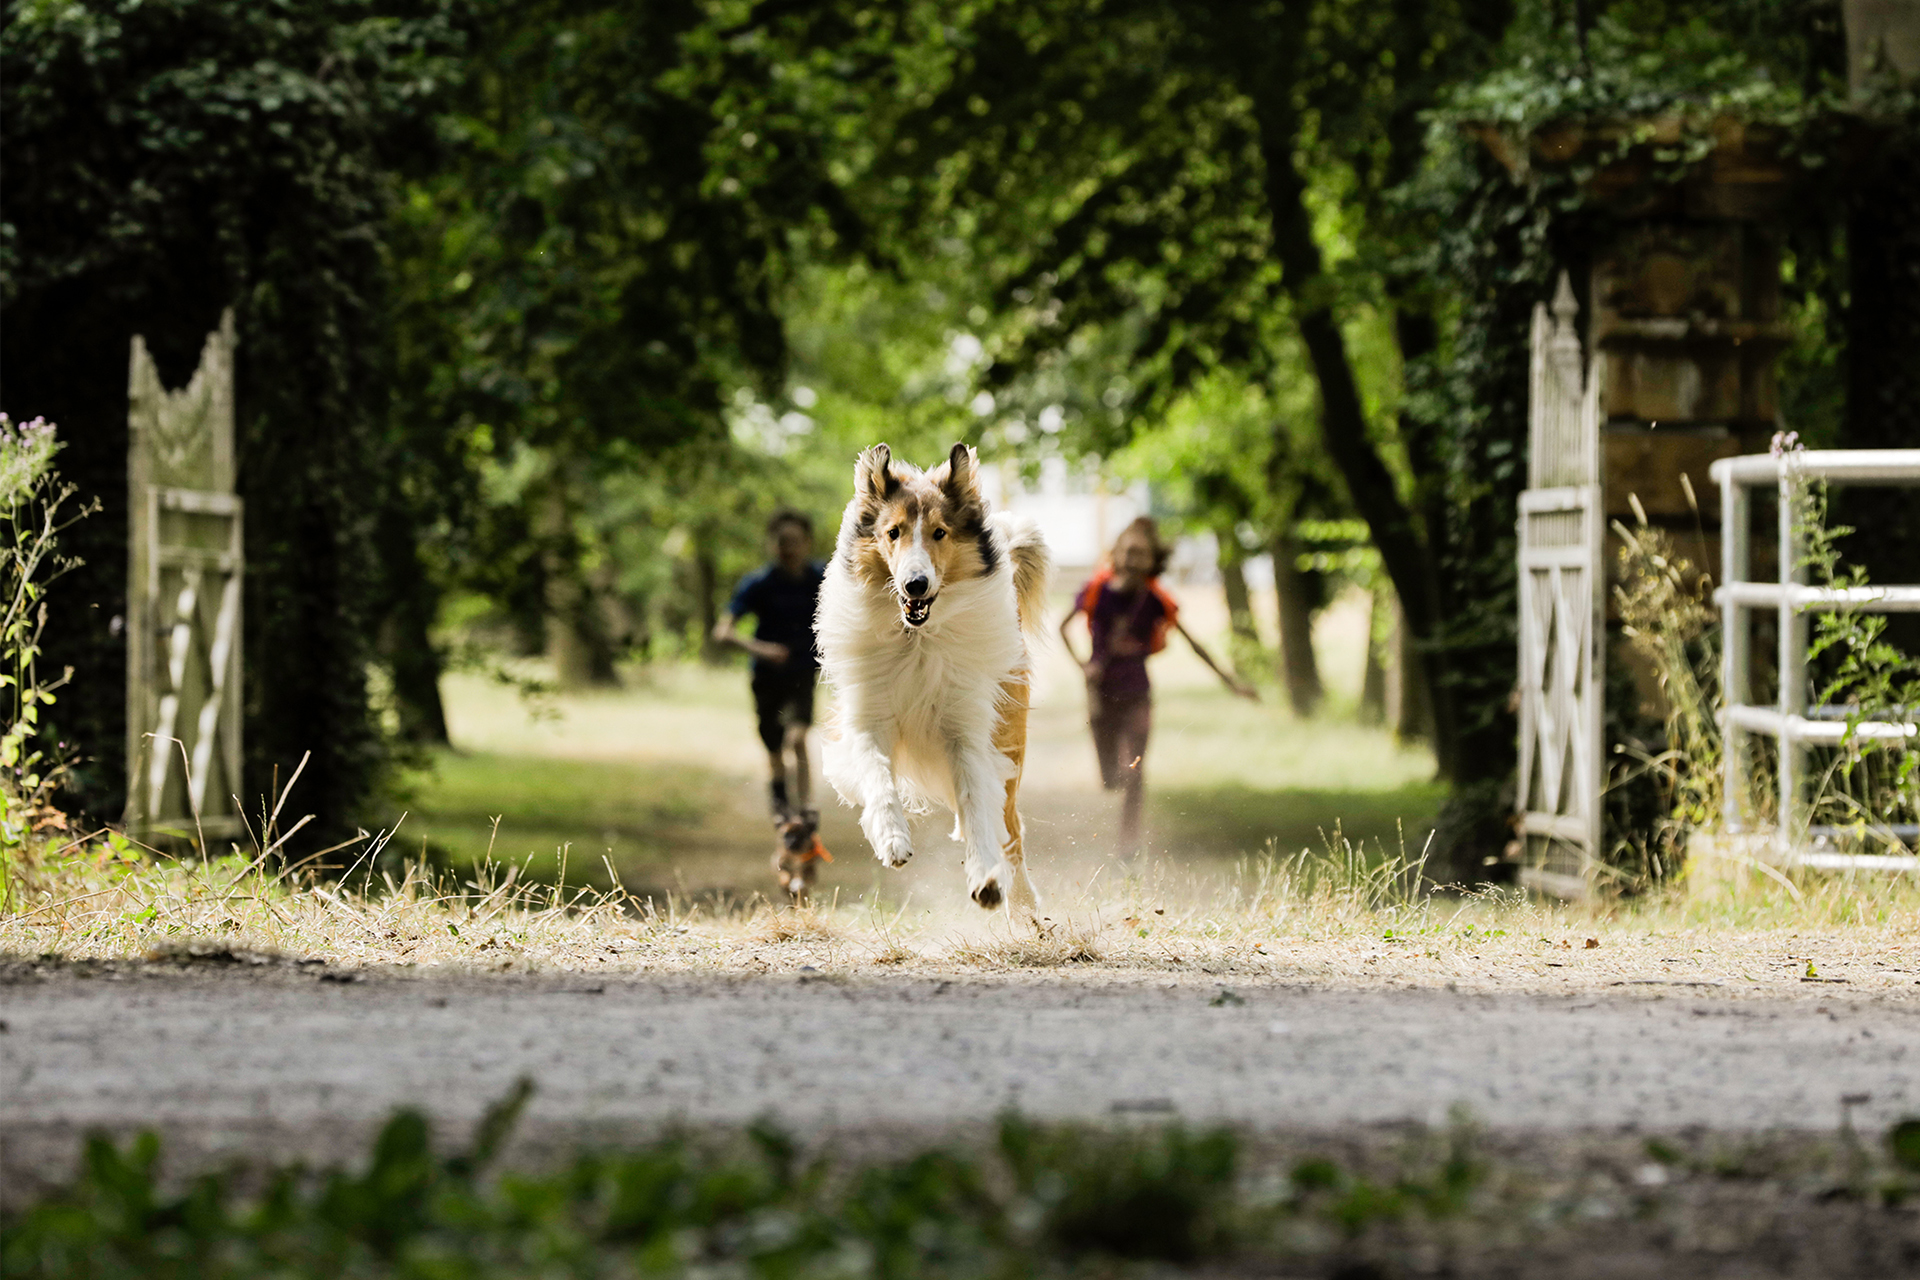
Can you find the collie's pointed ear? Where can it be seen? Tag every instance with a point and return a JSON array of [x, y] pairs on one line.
[[963, 472], [873, 476]]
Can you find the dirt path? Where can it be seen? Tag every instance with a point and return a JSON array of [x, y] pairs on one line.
[[285, 1062]]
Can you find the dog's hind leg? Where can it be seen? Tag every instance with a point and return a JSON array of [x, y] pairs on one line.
[[1010, 739]]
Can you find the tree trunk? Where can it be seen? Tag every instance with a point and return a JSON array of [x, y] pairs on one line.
[[1409, 706], [706, 595], [414, 662], [1343, 424], [1294, 610], [1245, 645], [576, 643], [406, 631], [1373, 675]]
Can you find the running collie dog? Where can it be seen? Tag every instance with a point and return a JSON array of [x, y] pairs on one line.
[[920, 628]]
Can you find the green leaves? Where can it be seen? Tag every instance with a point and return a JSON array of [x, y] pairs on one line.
[[1163, 1195], [170, 158], [1904, 1140], [670, 1207]]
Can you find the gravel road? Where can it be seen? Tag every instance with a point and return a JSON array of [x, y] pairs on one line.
[[290, 1063]]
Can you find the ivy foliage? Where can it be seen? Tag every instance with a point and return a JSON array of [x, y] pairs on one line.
[[167, 159], [1757, 59]]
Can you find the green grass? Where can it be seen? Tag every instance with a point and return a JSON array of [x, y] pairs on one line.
[[654, 820], [1246, 818], [642, 814]]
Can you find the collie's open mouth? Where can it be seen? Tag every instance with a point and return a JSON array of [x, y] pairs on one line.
[[916, 612]]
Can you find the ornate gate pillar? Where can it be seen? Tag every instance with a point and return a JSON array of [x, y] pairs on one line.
[[185, 567]]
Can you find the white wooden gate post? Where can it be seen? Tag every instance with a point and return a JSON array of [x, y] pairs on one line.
[[1562, 612], [185, 569]]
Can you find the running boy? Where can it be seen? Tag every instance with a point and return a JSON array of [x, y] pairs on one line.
[[1128, 616], [781, 595]]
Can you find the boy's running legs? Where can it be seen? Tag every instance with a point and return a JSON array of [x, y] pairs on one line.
[[783, 702]]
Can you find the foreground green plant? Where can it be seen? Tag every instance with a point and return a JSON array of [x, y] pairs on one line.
[[34, 512], [671, 1208], [1039, 1200], [1044, 1200]]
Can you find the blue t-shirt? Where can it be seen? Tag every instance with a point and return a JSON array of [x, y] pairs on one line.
[[782, 607]]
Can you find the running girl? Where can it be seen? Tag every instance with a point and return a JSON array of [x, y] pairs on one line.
[[1128, 616]]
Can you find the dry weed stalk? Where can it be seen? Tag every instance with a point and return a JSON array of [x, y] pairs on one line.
[[1667, 618]]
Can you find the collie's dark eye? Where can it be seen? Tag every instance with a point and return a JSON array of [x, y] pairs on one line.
[[893, 534], [939, 534]]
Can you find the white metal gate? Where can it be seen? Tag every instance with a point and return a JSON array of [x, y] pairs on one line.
[[186, 567], [1794, 725], [1562, 612]]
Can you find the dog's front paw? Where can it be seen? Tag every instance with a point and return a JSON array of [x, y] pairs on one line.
[[887, 833], [893, 850], [986, 893]]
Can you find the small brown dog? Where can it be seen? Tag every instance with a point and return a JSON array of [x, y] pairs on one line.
[[797, 857]]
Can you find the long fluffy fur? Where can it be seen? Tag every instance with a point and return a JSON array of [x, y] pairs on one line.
[[1032, 570], [918, 708]]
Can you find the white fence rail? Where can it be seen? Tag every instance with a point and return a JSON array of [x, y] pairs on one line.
[[1791, 722]]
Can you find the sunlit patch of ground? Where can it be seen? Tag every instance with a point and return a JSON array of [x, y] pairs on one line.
[[1347, 920]]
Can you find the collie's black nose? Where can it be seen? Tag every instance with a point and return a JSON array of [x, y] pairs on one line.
[[915, 587]]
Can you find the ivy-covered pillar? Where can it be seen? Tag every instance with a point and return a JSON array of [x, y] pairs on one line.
[[1676, 255], [1883, 278]]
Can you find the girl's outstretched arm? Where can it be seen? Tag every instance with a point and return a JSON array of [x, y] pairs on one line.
[[1067, 640], [1233, 682]]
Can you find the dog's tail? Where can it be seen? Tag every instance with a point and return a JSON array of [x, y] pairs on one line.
[[1032, 567]]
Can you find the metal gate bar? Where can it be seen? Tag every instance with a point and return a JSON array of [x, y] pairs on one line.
[[1791, 722]]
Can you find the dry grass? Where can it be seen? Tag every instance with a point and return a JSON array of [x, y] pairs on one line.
[[1335, 918]]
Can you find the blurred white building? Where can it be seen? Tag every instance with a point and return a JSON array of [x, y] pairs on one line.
[[1081, 511]]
